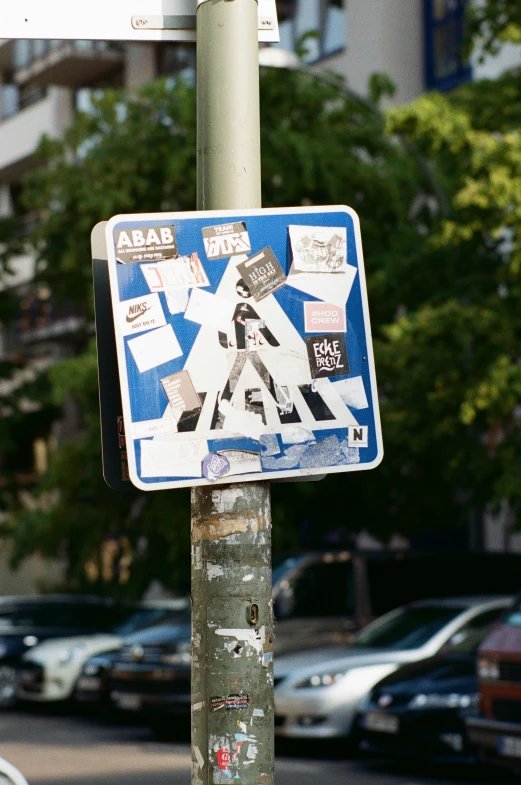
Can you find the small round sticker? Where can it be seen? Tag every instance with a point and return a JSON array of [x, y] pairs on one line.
[[214, 466]]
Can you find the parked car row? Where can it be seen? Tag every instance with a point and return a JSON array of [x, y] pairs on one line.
[[404, 684]]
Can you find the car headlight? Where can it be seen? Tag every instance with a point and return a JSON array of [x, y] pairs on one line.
[[321, 680], [181, 656], [488, 669], [69, 654], [451, 700]]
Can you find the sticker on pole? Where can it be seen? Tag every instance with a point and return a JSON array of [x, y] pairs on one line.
[[244, 350]]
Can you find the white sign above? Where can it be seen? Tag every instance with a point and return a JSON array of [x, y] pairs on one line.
[[117, 20]]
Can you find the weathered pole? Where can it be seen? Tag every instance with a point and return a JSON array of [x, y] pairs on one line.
[[232, 615]]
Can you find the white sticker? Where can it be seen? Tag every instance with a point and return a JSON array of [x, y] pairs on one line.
[[296, 434], [358, 436], [289, 369], [319, 249], [352, 392], [324, 286], [210, 309], [173, 459], [176, 300], [177, 273], [239, 421], [141, 313], [152, 427], [242, 462], [155, 348]]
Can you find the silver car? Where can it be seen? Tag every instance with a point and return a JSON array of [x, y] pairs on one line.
[[317, 692]]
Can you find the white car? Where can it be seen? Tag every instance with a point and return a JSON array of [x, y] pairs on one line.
[[49, 671], [318, 692]]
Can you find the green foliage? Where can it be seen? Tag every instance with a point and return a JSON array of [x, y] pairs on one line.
[[437, 185], [492, 22], [136, 153]]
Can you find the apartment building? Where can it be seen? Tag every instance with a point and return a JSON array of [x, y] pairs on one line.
[[418, 43]]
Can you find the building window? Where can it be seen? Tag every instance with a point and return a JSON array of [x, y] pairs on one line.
[[445, 63], [324, 19]]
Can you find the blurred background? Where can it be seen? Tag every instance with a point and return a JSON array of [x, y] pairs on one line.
[[410, 113]]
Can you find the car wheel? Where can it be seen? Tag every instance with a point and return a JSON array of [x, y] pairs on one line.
[[8, 685], [9, 775]]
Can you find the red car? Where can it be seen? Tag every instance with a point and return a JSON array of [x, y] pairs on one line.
[[497, 731]]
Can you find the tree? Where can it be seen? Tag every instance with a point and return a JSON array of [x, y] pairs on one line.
[[492, 22], [437, 186], [136, 152]]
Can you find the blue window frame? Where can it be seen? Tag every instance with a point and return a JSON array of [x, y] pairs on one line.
[[445, 64]]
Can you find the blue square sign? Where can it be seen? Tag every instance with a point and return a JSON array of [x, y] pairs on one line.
[[244, 345]]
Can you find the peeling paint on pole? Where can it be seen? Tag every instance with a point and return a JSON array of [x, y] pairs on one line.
[[232, 671]]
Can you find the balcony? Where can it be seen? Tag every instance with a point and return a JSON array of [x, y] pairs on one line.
[[69, 63], [20, 134]]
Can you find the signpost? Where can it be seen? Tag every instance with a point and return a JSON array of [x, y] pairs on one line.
[[244, 353]]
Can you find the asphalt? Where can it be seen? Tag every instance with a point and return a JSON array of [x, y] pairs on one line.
[[52, 748]]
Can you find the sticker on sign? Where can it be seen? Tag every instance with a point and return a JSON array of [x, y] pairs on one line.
[[119, 20]]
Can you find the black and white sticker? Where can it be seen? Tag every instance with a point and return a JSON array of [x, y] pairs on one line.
[[327, 355], [181, 393], [146, 244], [358, 436], [221, 242], [262, 274], [141, 313]]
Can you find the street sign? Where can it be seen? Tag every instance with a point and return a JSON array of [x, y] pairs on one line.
[[244, 345], [117, 20]]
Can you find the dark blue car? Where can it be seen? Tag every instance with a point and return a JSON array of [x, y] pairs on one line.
[[420, 709]]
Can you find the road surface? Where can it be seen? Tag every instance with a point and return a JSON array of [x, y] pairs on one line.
[[55, 749]]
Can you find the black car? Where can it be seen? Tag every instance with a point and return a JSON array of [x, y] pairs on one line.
[[151, 672], [420, 709], [92, 687], [25, 621]]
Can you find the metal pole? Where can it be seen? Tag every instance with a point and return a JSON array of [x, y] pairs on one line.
[[232, 612]]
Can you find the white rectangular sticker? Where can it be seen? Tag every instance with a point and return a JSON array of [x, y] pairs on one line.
[[173, 459], [352, 392], [141, 313], [319, 249], [155, 348], [152, 427], [180, 273], [242, 462], [240, 421], [210, 309]]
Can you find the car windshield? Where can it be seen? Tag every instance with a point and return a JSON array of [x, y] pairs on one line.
[[281, 569], [90, 616], [409, 628], [148, 617], [512, 617]]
